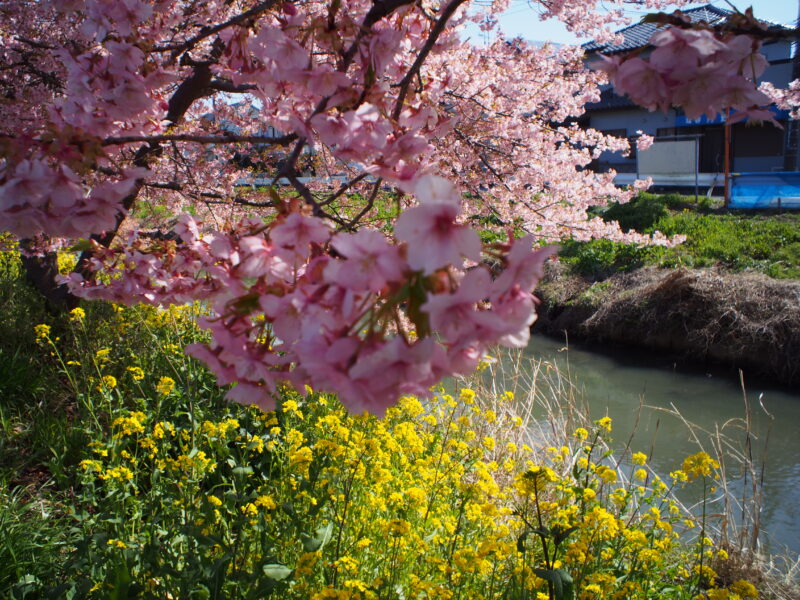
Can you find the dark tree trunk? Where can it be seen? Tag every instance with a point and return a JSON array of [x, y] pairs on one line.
[[41, 273]]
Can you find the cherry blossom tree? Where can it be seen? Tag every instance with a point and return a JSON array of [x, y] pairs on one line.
[[113, 106], [705, 69]]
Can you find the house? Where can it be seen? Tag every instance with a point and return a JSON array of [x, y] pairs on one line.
[[763, 148]]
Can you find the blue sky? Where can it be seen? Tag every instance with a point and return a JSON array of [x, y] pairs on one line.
[[523, 20]]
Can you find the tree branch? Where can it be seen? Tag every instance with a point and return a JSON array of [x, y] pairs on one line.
[[284, 140], [343, 189], [370, 203], [433, 36], [208, 197], [205, 32], [222, 85], [378, 10]]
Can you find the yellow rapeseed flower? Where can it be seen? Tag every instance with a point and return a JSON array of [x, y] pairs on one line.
[[398, 527], [300, 459], [136, 373], [165, 386], [581, 433], [604, 424], [107, 382], [467, 396], [42, 332], [130, 425], [639, 458], [607, 474], [745, 589], [593, 590], [77, 314], [117, 473], [266, 502], [699, 465], [161, 428], [91, 465], [291, 406], [679, 476]]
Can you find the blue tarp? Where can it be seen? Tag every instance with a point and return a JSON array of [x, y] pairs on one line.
[[681, 120], [765, 190]]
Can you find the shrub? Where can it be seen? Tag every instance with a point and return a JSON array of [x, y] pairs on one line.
[[641, 212], [600, 258]]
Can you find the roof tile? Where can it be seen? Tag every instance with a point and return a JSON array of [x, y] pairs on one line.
[[638, 35]]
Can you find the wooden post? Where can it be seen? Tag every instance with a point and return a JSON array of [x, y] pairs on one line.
[[727, 159]]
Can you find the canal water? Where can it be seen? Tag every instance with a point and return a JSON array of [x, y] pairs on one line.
[[640, 391]]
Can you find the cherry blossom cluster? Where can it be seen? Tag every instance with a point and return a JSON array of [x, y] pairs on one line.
[[39, 195], [346, 312], [113, 106], [788, 99], [698, 69]]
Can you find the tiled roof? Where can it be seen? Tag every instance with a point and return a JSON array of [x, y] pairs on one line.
[[639, 34], [610, 100]]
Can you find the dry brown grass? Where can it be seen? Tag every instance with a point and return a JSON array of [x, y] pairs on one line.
[[745, 319]]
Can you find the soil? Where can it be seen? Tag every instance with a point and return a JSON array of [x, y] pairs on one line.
[[746, 320]]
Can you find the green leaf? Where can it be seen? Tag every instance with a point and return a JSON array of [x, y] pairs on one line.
[[274, 195], [81, 246], [276, 571], [321, 537], [201, 592], [417, 296], [563, 586], [121, 581], [429, 538], [559, 535], [554, 578], [521, 541], [568, 584]]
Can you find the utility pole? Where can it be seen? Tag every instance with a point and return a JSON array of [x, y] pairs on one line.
[[790, 162]]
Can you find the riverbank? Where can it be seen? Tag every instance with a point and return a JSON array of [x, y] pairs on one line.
[[745, 320]]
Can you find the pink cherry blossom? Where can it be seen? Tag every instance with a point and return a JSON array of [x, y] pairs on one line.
[[371, 261], [455, 315], [298, 232], [644, 83]]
